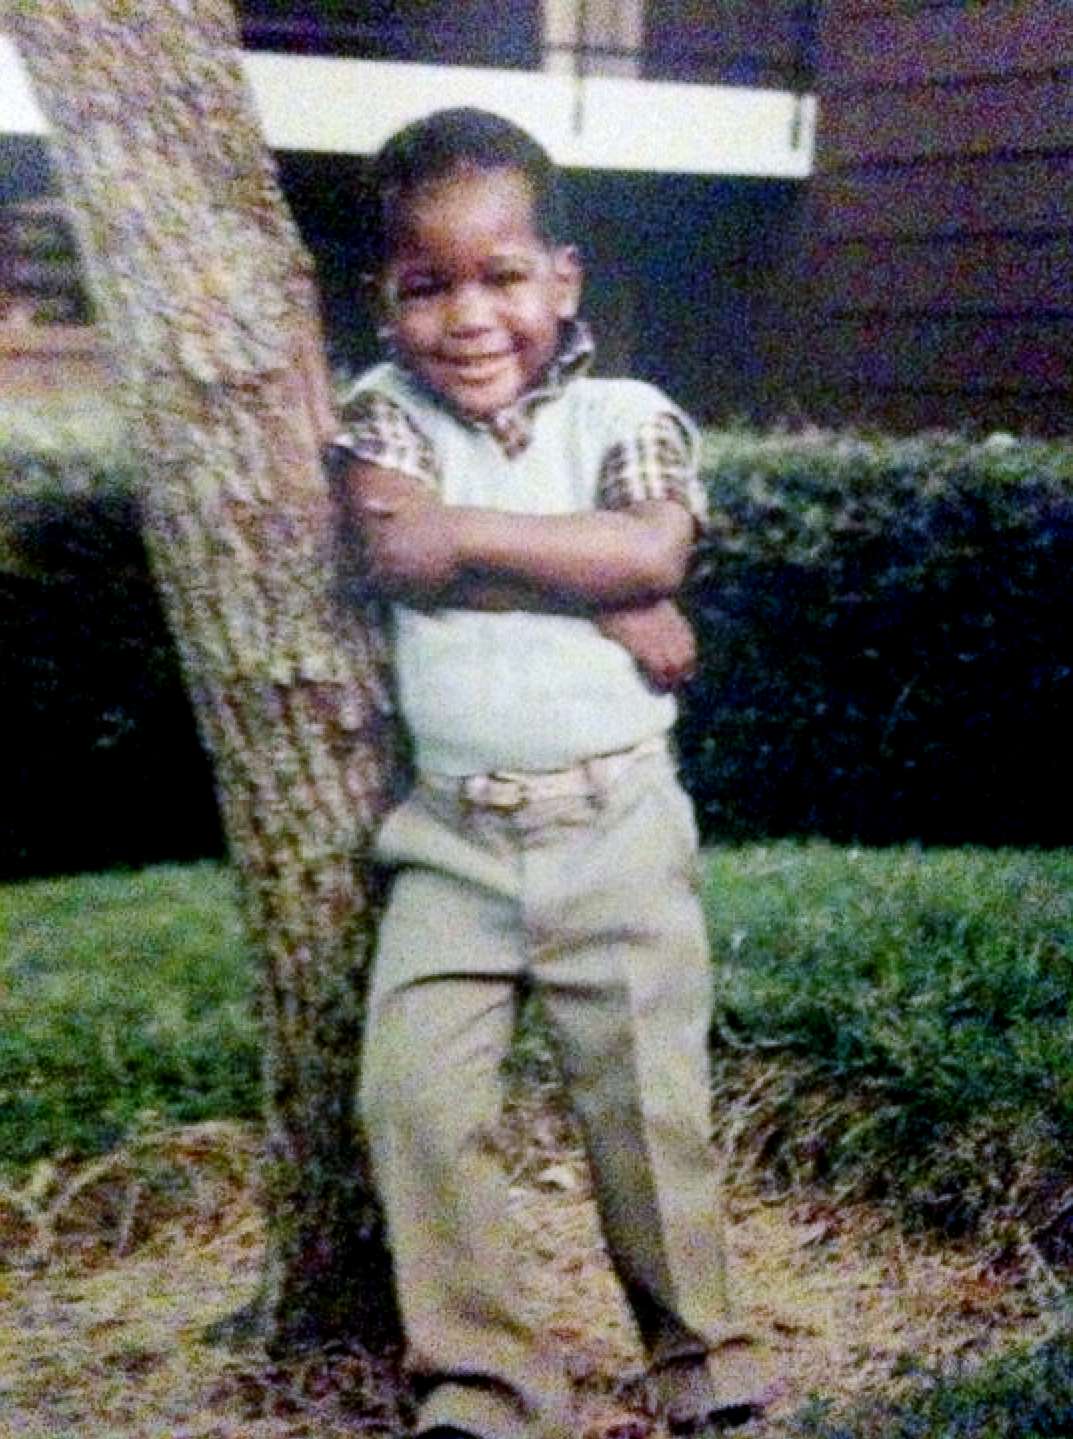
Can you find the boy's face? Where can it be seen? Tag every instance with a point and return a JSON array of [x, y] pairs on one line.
[[473, 296]]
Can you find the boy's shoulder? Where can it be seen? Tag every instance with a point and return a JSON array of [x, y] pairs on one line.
[[625, 403], [384, 378], [620, 391]]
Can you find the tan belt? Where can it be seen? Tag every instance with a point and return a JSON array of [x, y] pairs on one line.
[[514, 789]]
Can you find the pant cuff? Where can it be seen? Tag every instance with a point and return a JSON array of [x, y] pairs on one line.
[[486, 1414]]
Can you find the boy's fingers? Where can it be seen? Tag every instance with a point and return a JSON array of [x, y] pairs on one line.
[[377, 506]]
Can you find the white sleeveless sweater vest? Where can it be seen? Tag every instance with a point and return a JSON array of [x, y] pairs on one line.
[[519, 691]]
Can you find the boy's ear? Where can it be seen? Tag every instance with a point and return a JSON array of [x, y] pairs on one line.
[[568, 276]]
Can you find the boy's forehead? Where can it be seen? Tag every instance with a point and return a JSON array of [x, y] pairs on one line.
[[470, 198]]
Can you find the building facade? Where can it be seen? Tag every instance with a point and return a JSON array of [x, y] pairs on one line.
[[935, 267], [909, 268], [685, 131]]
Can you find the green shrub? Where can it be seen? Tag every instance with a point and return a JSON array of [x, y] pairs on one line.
[[105, 766], [887, 653]]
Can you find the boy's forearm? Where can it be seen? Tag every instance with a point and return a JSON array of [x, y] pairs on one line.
[[602, 558], [490, 595], [419, 550], [658, 637], [477, 593]]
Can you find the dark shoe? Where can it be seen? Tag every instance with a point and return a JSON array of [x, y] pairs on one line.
[[717, 1421], [702, 1398]]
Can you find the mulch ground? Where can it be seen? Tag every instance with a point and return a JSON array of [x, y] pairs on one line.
[[114, 1274]]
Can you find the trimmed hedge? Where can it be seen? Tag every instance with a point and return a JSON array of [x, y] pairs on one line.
[[887, 652], [887, 640], [104, 764]]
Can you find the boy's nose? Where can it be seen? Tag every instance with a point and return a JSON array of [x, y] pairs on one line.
[[470, 308]]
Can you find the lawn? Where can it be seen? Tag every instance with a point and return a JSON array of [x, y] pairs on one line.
[[125, 1000], [903, 1019], [929, 996], [893, 1025]]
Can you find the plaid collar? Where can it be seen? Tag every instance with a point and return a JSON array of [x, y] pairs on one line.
[[512, 427]]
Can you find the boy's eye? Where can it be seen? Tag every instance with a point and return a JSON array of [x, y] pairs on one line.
[[504, 279], [419, 287]]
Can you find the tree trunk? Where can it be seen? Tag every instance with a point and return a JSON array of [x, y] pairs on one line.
[[206, 298]]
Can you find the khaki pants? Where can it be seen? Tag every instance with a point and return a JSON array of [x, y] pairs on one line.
[[591, 900]]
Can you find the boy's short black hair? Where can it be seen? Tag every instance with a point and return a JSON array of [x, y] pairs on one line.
[[447, 141]]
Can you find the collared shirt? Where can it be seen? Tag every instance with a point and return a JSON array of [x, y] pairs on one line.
[[656, 463], [520, 689]]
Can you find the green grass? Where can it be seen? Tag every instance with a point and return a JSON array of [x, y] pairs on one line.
[[911, 1008], [122, 997], [929, 996], [1024, 1395], [912, 1011]]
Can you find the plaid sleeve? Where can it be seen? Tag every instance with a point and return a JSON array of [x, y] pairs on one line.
[[380, 432], [657, 463]]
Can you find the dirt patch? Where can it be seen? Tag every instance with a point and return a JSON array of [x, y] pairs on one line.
[[108, 1295]]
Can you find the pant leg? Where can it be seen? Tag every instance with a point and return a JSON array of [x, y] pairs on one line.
[[626, 980], [440, 1019]]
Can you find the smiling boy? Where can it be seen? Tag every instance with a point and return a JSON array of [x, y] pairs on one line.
[[530, 526]]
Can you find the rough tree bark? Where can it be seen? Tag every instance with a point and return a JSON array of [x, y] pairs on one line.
[[205, 295]]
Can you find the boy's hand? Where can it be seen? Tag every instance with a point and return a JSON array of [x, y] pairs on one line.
[[660, 639]]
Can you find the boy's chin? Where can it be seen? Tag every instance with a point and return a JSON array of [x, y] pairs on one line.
[[481, 403]]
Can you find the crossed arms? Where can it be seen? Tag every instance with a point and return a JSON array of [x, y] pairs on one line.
[[617, 567]]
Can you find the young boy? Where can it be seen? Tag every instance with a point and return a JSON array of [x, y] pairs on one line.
[[530, 526]]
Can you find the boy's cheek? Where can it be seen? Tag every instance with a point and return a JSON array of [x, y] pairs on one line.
[[411, 335]]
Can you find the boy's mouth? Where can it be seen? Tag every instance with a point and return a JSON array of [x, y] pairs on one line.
[[476, 366]]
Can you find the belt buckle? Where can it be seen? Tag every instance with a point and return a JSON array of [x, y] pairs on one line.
[[494, 791]]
